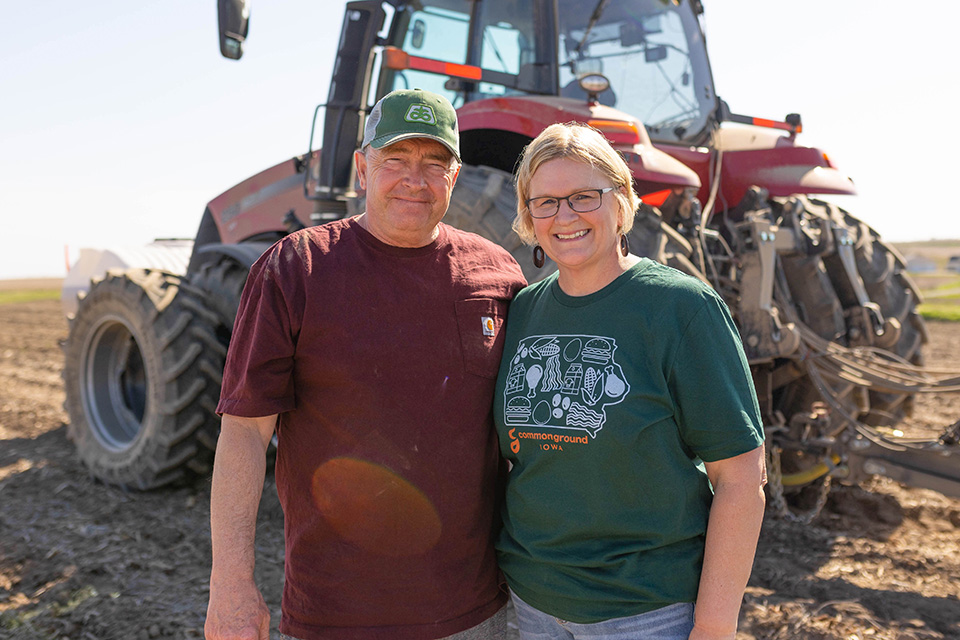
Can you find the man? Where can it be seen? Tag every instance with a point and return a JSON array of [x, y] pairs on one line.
[[371, 346]]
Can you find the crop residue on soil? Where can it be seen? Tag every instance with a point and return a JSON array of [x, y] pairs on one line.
[[81, 560]]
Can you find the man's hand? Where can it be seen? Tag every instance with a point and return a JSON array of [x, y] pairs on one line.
[[237, 612]]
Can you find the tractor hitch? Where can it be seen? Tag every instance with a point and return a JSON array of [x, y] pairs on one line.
[[933, 464]]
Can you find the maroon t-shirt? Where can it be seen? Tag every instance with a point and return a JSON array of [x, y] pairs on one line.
[[381, 362]]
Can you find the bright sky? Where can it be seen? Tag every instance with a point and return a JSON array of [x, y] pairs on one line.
[[120, 120]]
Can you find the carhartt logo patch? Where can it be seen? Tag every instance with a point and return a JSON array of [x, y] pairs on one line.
[[488, 327], [420, 113]]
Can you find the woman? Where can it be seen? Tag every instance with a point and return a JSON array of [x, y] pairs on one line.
[[626, 407]]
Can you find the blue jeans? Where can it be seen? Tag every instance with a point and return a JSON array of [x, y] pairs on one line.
[[673, 622], [493, 628]]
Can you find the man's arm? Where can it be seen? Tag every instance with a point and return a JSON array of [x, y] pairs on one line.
[[732, 533], [236, 610]]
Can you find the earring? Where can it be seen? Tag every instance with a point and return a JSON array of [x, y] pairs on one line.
[[624, 245], [538, 258]]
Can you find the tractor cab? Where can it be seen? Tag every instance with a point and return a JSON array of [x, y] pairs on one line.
[[644, 57]]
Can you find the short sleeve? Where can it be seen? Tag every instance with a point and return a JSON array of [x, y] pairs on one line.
[[258, 376], [712, 387]]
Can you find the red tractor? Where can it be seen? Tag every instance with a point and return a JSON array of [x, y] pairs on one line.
[[826, 311]]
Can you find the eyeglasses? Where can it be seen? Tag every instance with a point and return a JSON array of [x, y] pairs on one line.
[[581, 202]]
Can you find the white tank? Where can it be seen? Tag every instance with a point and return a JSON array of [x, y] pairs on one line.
[[171, 256]]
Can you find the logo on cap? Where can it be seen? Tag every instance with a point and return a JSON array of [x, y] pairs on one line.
[[418, 113]]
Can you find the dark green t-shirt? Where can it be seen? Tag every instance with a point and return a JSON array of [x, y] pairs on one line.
[[606, 405]]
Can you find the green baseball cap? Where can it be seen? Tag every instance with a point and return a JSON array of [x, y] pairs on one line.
[[415, 113]]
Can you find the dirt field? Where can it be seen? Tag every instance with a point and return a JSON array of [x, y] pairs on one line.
[[84, 561]]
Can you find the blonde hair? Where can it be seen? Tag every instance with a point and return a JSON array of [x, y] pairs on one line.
[[583, 143]]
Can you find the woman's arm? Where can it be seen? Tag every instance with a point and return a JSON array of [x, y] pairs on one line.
[[732, 532]]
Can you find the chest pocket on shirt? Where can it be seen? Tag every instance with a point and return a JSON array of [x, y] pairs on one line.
[[481, 323]]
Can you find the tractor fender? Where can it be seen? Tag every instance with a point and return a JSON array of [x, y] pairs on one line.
[[772, 162], [782, 171], [258, 205], [244, 253], [527, 116]]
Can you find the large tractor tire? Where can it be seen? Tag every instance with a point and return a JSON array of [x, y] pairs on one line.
[[884, 275], [221, 282], [821, 292], [816, 305], [142, 372], [484, 202]]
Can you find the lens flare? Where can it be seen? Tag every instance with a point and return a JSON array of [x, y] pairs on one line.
[[372, 507]]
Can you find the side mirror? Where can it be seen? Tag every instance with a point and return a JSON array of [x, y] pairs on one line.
[[233, 17]]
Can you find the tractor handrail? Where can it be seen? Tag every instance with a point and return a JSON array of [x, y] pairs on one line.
[[397, 59], [792, 123]]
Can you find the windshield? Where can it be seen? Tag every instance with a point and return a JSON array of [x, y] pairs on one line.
[[652, 51], [443, 30]]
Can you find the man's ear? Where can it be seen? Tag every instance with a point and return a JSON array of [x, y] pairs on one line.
[[456, 174], [361, 162]]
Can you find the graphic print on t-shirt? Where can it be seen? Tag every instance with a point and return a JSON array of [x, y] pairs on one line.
[[563, 382]]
